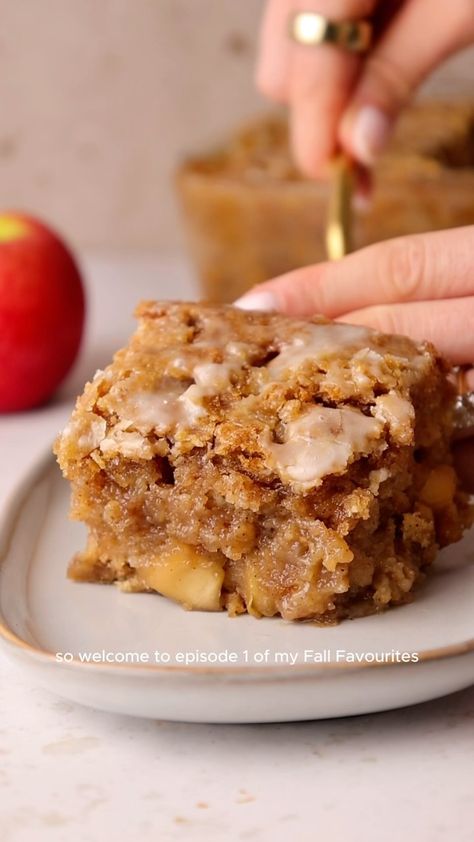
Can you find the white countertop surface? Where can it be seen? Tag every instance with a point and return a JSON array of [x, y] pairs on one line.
[[70, 774]]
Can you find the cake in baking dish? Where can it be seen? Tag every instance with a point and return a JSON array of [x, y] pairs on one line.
[[253, 462], [251, 215]]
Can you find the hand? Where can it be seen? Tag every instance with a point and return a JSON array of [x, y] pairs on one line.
[[421, 286], [338, 99]]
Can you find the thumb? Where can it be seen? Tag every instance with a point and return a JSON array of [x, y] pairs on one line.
[[417, 40]]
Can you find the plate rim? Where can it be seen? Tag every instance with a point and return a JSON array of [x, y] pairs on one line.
[[8, 520]]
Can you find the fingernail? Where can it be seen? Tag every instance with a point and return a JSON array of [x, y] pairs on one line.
[[370, 132], [257, 301], [361, 202]]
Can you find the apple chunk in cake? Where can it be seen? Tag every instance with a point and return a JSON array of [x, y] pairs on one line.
[[248, 461]]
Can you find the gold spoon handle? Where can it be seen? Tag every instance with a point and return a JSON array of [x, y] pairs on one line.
[[339, 221]]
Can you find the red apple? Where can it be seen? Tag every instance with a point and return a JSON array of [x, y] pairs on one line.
[[42, 309]]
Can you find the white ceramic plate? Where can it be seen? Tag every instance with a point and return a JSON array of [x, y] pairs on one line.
[[48, 624]]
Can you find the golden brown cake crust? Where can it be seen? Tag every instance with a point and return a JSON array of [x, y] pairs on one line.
[[261, 463]]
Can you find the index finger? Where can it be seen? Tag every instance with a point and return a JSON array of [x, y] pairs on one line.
[[316, 81], [420, 267]]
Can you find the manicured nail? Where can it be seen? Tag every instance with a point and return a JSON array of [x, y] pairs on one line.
[[370, 132], [257, 301], [361, 202]]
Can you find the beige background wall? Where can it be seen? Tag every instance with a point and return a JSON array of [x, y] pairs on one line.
[[100, 98]]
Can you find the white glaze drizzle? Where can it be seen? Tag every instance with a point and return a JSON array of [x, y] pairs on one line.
[[324, 441]]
